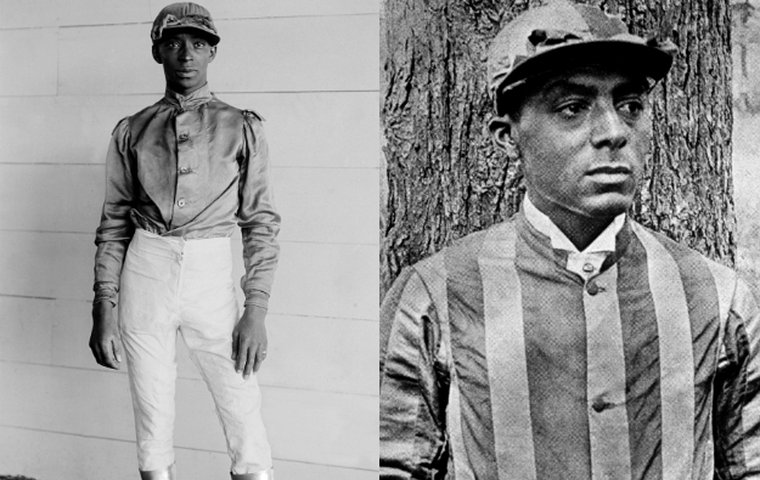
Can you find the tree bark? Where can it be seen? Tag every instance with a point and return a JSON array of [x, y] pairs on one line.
[[446, 179]]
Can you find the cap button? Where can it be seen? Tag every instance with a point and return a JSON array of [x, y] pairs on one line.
[[537, 37]]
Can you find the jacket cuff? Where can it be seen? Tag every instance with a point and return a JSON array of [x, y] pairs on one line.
[[105, 292], [257, 298]]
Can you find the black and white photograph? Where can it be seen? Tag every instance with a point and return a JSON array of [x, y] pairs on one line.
[[358, 239], [189, 239], [569, 258]]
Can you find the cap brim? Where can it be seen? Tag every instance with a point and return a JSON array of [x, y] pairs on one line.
[[637, 58], [210, 36]]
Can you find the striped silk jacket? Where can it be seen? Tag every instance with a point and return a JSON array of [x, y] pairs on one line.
[[499, 363]]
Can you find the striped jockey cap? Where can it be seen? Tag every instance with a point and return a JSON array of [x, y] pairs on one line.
[[561, 35], [184, 16]]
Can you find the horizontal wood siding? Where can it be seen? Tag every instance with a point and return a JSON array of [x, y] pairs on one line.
[[71, 70]]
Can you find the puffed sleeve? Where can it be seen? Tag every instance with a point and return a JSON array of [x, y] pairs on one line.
[[115, 230], [414, 384], [257, 218], [736, 422]]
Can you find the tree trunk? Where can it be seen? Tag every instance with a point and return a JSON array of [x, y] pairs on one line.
[[446, 179]]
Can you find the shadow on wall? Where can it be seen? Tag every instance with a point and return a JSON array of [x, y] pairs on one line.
[[746, 147]]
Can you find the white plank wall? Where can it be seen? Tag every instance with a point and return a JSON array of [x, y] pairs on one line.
[[70, 71]]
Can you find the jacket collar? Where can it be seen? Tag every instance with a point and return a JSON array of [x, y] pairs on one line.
[[605, 242], [188, 102], [541, 245]]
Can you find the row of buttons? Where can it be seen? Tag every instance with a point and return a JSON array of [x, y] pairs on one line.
[[183, 137], [599, 404]]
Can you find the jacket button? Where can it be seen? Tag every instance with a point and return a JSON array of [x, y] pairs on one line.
[[183, 137], [181, 202], [592, 288], [600, 404]]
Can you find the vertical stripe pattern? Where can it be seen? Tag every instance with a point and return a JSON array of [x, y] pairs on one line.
[[723, 277], [406, 352], [555, 340], [545, 377], [433, 270], [507, 366], [676, 358], [606, 381], [703, 302], [750, 413], [464, 294], [642, 363], [462, 468]]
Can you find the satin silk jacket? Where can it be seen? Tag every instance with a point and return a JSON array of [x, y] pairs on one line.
[[499, 363], [191, 167]]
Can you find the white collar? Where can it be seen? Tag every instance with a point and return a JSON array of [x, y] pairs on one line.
[[605, 242]]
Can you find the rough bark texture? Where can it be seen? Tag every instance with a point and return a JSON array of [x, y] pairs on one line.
[[446, 179], [687, 190]]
